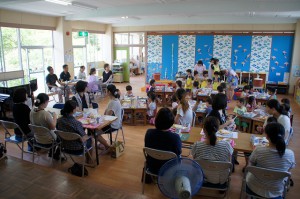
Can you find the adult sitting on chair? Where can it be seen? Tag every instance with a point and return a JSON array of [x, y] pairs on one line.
[[21, 114], [82, 98], [40, 117], [107, 74], [93, 81], [275, 157], [161, 138], [81, 73], [51, 81]]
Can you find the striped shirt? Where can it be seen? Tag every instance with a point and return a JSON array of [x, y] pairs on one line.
[[269, 158], [222, 151]]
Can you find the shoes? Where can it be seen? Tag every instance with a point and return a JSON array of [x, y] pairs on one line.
[[236, 162]]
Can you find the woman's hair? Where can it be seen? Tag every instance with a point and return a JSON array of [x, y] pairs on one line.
[[212, 59], [286, 108], [195, 73], [219, 102], [69, 107], [81, 67], [179, 83], [180, 94], [164, 119], [20, 95], [276, 132], [200, 62], [273, 103], [211, 125], [247, 87], [113, 90], [105, 66], [196, 84], [285, 101], [41, 99], [251, 100], [271, 120], [80, 86], [92, 70], [152, 81]]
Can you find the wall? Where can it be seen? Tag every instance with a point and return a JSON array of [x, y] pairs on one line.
[[88, 26], [296, 58]]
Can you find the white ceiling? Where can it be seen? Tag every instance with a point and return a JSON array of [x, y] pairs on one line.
[[163, 12]]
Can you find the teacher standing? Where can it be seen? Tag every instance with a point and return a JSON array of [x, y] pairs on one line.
[[200, 67]]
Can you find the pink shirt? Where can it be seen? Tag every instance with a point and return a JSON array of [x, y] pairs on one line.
[[200, 69]]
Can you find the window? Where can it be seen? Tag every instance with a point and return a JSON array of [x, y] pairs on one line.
[[121, 38], [32, 37], [129, 38], [10, 49], [94, 47], [77, 40], [136, 38]]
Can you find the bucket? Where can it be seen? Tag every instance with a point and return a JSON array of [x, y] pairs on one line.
[[258, 82], [156, 76]]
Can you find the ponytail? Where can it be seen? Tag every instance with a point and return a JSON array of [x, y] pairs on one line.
[[211, 127], [41, 99], [180, 94], [113, 90], [69, 107], [276, 132]]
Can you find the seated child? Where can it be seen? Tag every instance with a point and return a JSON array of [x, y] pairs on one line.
[[178, 84], [251, 104], [197, 77], [287, 106], [246, 91], [129, 91], [216, 80], [195, 90], [151, 105], [240, 109], [152, 86], [209, 84], [174, 102], [189, 81], [204, 79], [272, 93]]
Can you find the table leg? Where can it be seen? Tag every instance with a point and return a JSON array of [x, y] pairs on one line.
[[96, 148]]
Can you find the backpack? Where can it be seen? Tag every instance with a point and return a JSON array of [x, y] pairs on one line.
[[2, 150], [76, 170]]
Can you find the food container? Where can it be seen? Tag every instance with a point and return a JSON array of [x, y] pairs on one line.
[[258, 82], [156, 76]]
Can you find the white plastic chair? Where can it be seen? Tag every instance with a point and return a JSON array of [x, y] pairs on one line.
[[223, 168], [158, 155], [109, 132], [265, 175], [289, 137]]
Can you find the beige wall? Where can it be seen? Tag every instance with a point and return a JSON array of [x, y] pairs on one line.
[[205, 27], [296, 57], [89, 26]]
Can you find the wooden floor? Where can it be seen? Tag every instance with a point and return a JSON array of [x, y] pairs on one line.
[[124, 173]]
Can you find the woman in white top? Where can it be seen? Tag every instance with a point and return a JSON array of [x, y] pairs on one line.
[[278, 111], [184, 111], [93, 81], [200, 67], [213, 150], [275, 157], [81, 73]]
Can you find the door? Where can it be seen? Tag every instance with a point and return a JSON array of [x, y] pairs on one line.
[[121, 55], [80, 58]]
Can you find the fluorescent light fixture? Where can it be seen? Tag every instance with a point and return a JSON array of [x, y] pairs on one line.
[[60, 2], [124, 17], [84, 6]]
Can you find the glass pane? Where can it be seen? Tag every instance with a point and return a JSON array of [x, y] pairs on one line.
[[33, 37], [41, 80], [10, 49], [121, 38], [76, 40], [94, 47], [1, 55], [79, 56], [136, 38], [48, 57], [121, 56], [36, 68]]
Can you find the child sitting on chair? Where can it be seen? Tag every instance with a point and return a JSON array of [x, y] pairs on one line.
[[272, 93], [251, 104], [240, 109], [209, 84], [195, 90], [189, 81], [151, 105], [178, 84], [287, 104], [129, 91], [246, 91], [216, 80], [152, 86], [204, 79]]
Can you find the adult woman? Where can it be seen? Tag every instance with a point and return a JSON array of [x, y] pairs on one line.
[[81, 73], [68, 123], [82, 97], [275, 157], [219, 105], [107, 74], [212, 150], [161, 138], [93, 84], [40, 117], [278, 111], [184, 111], [199, 67], [232, 82], [21, 114]]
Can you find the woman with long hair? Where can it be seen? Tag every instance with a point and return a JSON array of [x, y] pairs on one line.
[[184, 111]]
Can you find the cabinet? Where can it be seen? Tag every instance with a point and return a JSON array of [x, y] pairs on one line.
[[246, 78], [118, 72]]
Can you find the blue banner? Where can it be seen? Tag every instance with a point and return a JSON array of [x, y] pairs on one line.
[[169, 57], [241, 52], [204, 49]]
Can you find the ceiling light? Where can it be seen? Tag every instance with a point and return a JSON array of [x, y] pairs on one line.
[[124, 17], [60, 2], [84, 6]]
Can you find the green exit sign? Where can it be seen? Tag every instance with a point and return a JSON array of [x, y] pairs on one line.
[[83, 33]]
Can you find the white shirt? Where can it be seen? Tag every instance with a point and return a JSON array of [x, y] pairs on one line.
[[116, 107], [200, 69], [185, 118], [152, 107], [81, 75], [174, 105], [285, 122]]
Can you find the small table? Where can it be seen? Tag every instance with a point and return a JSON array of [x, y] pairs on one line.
[[203, 98], [262, 101], [165, 97], [136, 109]]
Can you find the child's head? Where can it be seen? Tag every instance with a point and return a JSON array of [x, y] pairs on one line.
[[205, 73], [223, 84], [285, 101], [251, 87], [129, 89], [152, 82], [151, 96], [189, 71], [246, 89], [179, 83], [209, 81], [271, 120], [200, 63], [196, 84], [196, 73], [174, 98], [216, 74], [220, 89], [251, 100], [212, 60], [240, 102], [271, 91]]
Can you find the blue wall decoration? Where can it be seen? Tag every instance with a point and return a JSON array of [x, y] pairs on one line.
[[281, 56], [169, 56], [204, 49], [240, 53], [154, 55]]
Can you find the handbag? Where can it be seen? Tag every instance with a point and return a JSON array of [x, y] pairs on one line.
[[76, 170], [117, 149]]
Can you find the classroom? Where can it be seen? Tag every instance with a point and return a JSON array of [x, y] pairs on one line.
[[149, 99]]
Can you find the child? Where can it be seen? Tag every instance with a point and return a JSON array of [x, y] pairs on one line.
[[246, 91], [174, 102], [216, 80], [195, 90], [221, 89], [151, 105], [272, 93], [178, 84], [209, 84], [240, 109], [251, 104], [209, 105], [189, 80], [129, 91], [152, 86], [286, 102], [196, 77], [204, 79]]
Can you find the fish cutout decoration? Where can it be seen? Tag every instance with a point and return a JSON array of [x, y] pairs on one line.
[[205, 46], [245, 50], [240, 46], [286, 63], [273, 57], [273, 68], [243, 64], [275, 49], [208, 50], [235, 63], [284, 53], [235, 51], [199, 50], [210, 55], [276, 62], [235, 57], [281, 66]]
